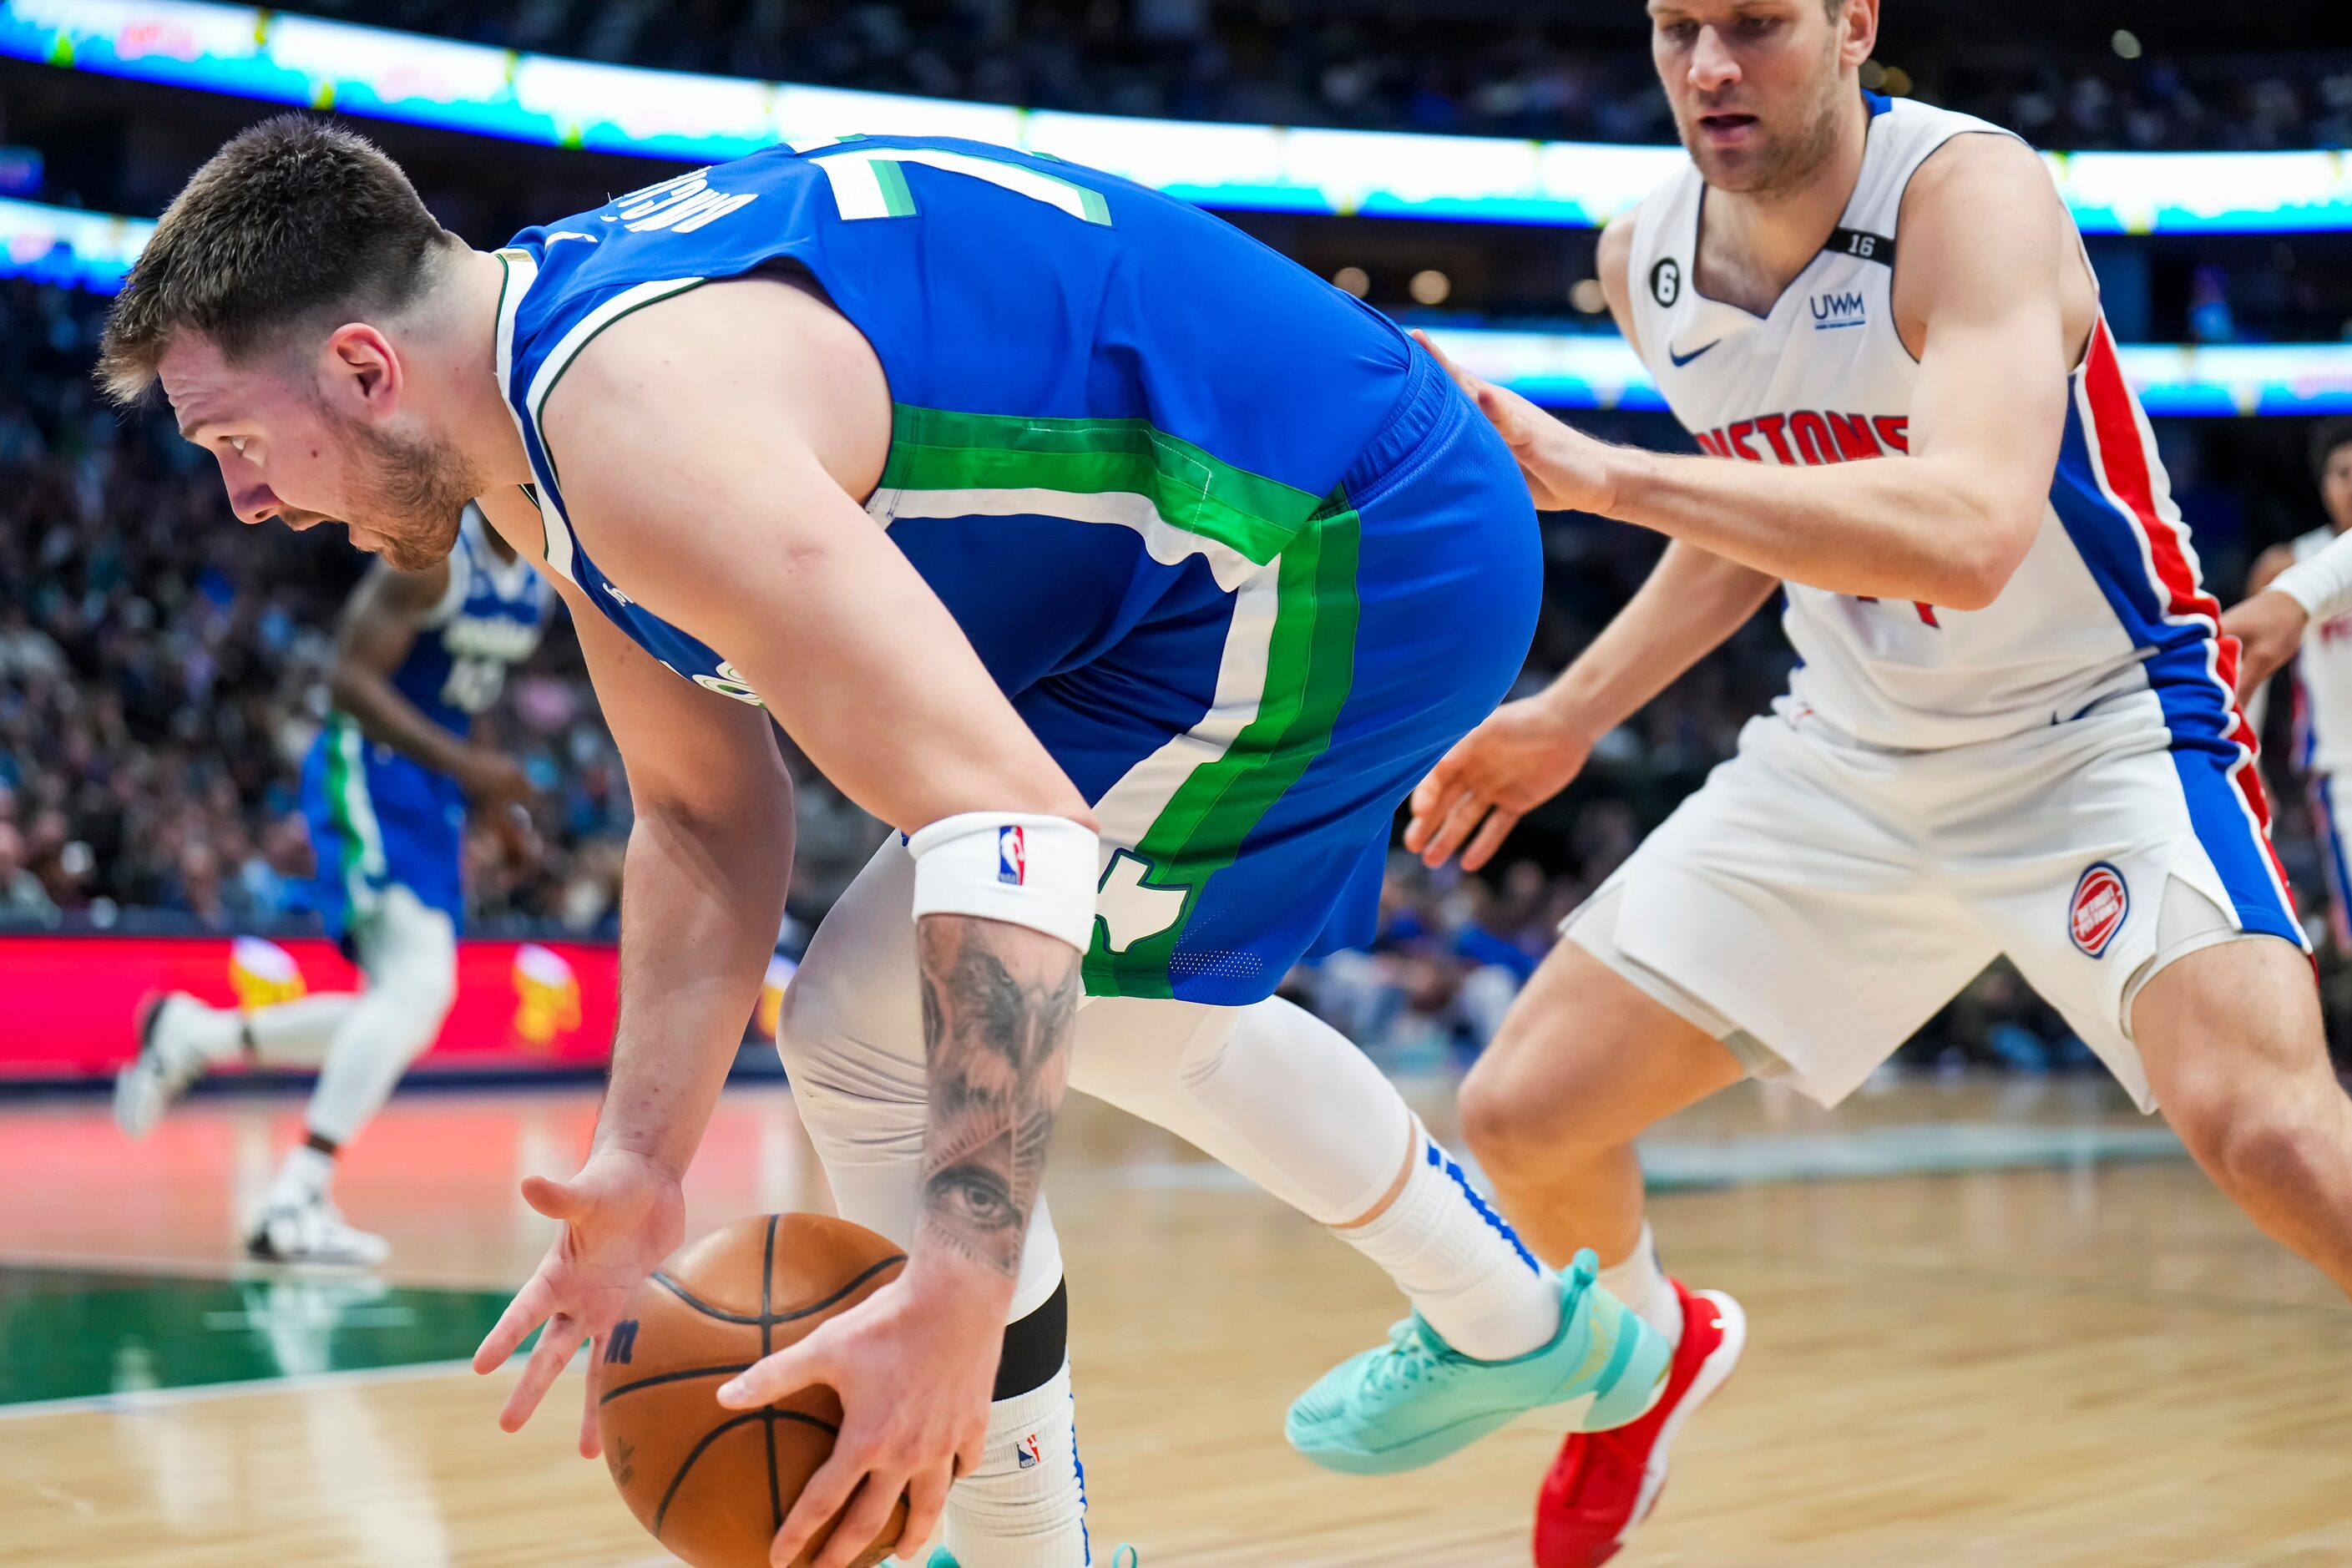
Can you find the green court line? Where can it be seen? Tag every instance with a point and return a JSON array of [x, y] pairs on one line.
[[82, 1333]]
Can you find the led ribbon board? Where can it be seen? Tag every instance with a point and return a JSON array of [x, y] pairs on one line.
[[286, 58], [1561, 370]]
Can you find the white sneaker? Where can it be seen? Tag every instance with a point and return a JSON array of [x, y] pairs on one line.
[[308, 1230], [169, 1060]]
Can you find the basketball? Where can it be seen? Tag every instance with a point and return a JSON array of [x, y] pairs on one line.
[[713, 1484]]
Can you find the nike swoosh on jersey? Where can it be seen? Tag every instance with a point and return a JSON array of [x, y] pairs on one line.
[[1682, 360]]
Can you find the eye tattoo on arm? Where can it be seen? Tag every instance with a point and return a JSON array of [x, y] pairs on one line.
[[999, 1050]]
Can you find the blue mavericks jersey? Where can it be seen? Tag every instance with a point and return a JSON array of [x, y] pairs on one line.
[[489, 620], [377, 818], [1131, 452]]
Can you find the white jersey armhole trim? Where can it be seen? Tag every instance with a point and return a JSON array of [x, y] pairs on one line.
[[550, 371], [555, 532], [1903, 194]]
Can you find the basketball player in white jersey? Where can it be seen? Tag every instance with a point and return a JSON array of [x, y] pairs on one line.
[[2295, 608], [2013, 731]]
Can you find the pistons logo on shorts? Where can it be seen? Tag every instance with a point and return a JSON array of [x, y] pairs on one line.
[[2101, 902], [1011, 857]]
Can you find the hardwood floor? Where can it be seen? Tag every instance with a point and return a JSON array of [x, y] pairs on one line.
[[2084, 1364]]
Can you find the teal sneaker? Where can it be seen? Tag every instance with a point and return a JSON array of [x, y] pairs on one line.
[[1417, 1399]]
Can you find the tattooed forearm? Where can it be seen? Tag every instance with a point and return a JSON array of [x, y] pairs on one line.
[[998, 1001]]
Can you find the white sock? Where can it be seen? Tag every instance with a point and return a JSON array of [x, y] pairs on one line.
[[1643, 1286], [1025, 1505], [1466, 1271], [304, 1174]]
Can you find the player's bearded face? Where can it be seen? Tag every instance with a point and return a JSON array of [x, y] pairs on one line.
[[403, 496], [1758, 110]]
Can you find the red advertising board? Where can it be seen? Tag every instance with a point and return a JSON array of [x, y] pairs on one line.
[[67, 1003]]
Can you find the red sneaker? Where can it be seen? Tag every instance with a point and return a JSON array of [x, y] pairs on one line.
[[1604, 1483]]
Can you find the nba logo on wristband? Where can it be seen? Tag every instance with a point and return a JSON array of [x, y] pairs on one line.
[[1011, 857]]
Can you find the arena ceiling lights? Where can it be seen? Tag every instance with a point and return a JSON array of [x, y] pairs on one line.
[[1562, 369], [370, 71]]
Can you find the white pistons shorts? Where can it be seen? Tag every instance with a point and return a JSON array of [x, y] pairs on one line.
[[1819, 900]]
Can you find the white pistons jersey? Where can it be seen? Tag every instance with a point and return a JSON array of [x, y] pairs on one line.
[[2107, 601], [2322, 682]]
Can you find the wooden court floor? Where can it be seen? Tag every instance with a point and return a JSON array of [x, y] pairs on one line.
[[2090, 1365]]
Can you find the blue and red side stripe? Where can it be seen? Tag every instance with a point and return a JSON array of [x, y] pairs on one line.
[[2137, 550]]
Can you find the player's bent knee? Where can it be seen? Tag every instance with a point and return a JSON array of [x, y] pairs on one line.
[[1511, 1123], [2256, 1141]]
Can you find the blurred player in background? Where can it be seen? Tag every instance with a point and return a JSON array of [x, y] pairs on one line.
[[385, 789], [2012, 731], [2295, 607]]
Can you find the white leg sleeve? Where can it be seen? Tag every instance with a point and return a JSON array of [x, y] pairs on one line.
[[408, 953], [1269, 1090], [299, 1033], [851, 1036], [1278, 1095]]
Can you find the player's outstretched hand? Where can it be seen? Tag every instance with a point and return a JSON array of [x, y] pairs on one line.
[[621, 1216], [914, 1368], [1566, 469], [491, 780], [2268, 626], [1522, 755]]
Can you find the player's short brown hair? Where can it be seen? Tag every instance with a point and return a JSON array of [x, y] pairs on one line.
[[291, 220]]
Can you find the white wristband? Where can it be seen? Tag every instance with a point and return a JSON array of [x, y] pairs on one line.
[[1030, 870], [2321, 583]]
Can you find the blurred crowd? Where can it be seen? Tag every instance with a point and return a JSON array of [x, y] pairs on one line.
[[1417, 69], [163, 671]]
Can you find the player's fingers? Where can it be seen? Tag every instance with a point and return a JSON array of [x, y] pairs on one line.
[[769, 1378], [819, 1502], [926, 1499], [556, 1200], [525, 1312], [539, 1374], [592, 1436], [1461, 819], [1439, 354], [1435, 791], [1503, 413], [1489, 837], [867, 1516]]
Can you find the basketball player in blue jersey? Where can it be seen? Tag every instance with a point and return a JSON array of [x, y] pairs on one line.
[[1129, 570], [385, 788]]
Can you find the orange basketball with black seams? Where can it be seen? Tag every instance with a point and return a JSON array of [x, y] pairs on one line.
[[713, 1484]]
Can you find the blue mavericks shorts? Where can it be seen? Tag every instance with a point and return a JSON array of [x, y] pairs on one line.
[[377, 818], [1245, 751]]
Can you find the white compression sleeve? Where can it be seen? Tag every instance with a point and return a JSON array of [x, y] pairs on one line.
[[2322, 582], [409, 955], [299, 1033]]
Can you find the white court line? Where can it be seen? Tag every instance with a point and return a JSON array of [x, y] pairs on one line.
[[239, 1268], [144, 1401]]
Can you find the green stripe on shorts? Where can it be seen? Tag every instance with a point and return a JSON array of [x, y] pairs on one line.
[[1310, 667]]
